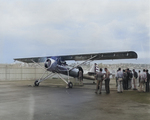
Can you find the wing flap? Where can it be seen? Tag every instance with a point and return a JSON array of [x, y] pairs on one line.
[[30, 60]]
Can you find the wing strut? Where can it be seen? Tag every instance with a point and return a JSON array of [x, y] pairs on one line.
[[37, 82], [82, 62], [69, 83], [38, 65]]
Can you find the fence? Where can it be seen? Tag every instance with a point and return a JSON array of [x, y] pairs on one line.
[[10, 72]]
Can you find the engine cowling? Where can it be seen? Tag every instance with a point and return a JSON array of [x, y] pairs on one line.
[[48, 63]]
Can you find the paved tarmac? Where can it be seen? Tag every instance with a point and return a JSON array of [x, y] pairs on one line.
[[20, 100]]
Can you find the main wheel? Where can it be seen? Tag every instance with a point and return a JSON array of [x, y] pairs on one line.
[[70, 85], [36, 83]]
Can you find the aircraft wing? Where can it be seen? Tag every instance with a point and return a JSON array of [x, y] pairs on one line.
[[81, 57]]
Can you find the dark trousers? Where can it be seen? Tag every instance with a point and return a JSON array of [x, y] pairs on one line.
[[107, 85], [127, 79], [116, 81], [147, 86], [125, 84]]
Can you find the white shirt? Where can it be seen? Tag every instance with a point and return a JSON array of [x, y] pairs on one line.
[[143, 75], [119, 74]]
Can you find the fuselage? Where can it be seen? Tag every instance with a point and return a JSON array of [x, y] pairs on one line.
[[53, 66]]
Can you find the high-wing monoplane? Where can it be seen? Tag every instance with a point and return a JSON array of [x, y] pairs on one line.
[[58, 65]]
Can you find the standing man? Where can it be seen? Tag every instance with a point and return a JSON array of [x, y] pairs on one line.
[[116, 79], [80, 77], [142, 81], [120, 80], [107, 80], [135, 76], [139, 77], [128, 77], [95, 70], [124, 80], [147, 81], [99, 78]]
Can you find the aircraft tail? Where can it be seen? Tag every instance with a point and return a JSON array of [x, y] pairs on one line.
[[94, 69]]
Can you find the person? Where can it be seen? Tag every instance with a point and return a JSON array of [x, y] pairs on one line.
[[135, 76], [125, 80], [113, 74], [147, 81], [142, 81], [80, 77], [107, 80], [120, 80], [116, 79], [99, 78], [129, 80], [95, 71], [139, 77], [128, 75]]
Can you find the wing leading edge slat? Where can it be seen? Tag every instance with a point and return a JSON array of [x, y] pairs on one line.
[[80, 57]]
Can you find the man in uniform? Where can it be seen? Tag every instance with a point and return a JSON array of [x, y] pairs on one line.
[[135, 76], [107, 80], [81, 77], [128, 75], [129, 78], [124, 80], [139, 77], [99, 78], [142, 81], [120, 80], [147, 81], [116, 79]]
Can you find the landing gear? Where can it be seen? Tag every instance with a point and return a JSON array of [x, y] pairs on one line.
[[70, 85], [36, 83]]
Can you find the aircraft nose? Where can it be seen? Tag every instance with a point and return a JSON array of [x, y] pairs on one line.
[[47, 63]]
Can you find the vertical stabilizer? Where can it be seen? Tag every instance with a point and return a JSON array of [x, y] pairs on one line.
[[93, 69]]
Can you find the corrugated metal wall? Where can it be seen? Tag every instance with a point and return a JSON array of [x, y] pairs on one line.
[[10, 72]]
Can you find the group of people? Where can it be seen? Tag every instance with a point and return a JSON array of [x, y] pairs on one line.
[[127, 80], [124, 80], [100, 77]]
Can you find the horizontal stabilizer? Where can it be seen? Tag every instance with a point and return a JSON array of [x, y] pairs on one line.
[[91, 73]]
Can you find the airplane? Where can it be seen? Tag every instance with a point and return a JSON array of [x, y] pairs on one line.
[[58, 65]]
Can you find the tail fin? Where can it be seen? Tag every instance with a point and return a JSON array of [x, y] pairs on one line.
[[94, 69]]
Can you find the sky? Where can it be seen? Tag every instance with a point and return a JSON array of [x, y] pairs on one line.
[[34, 28]]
